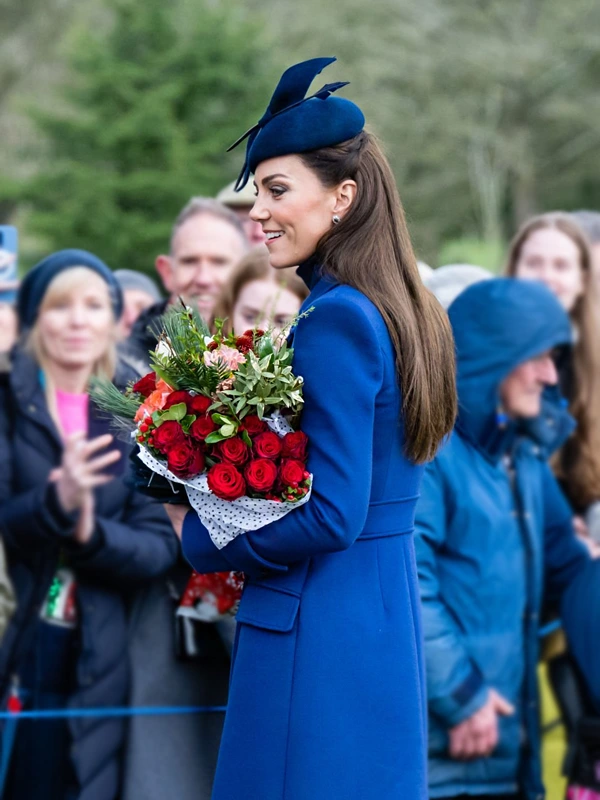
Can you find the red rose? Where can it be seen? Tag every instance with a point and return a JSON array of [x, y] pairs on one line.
[[212, 346], [175, 398], [185, 460], [244, 343], [294, 445], [226, 481], [199, 404], [233, 450], [253, 425], [261, 474], [201, 428], [254, 334], [267, 445], [167, 435], [291, 472], [146, 385]]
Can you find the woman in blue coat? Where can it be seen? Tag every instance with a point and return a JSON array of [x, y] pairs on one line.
[[327, 696]]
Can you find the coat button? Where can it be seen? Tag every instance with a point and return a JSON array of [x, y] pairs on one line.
[[87, 680], [31, 408]]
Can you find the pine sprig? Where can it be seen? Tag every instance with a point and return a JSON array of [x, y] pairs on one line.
[[107, 397]]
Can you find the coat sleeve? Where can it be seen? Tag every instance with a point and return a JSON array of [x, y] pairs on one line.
[[31, 519], [455, 686], [340, 359], [138, 546], [564, 555]]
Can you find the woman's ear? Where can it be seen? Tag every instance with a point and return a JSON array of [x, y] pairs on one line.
[[344, 197]]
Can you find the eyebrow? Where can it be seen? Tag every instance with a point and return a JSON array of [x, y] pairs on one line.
[[270, 177]]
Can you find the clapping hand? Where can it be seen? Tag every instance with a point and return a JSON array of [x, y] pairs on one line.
[[79, 473]]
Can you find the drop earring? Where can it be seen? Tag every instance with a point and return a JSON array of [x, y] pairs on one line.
[[336, 220]]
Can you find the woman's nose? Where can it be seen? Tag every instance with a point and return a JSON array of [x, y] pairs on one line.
[[259, 212]]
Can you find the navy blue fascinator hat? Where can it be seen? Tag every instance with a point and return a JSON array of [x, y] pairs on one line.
[[36, 282], [294, 123]]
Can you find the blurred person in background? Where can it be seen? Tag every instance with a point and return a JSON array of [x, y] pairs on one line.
[[241, 204], [207, 241], [139, 293], [258, 296], [589, 222], [176, 755], [77, 536], [9, 327], [449, 281], [9, 323], [493, 532], [553, 249]]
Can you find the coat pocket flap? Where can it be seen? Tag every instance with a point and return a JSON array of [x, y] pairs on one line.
[[265, 607]]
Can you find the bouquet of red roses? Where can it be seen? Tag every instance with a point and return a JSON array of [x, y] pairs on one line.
[[217, 416]]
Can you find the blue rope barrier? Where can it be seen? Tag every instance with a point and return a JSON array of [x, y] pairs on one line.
[[555, 625], [124, 711]]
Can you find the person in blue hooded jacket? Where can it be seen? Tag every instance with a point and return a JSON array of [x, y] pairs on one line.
[[494, 536], [327, 695]]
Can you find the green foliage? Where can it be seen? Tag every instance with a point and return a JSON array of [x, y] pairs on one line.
[[469, 250], [488, 111], [264, 384], [152, 104], [107, 397], [179, 358]]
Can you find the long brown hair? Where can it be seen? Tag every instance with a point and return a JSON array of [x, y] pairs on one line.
[[254, 267], [578, 463], [370, 249]]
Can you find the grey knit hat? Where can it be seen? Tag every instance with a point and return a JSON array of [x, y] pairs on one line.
[[130, 279], [448, 282]]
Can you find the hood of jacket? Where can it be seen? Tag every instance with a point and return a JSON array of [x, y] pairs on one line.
[[498, 325]]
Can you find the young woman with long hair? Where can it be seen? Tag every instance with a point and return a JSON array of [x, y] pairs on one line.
[[327, 694], [553, 249], [258, 296]]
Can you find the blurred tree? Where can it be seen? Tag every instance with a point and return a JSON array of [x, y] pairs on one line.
[[154, 100], [29, 31]]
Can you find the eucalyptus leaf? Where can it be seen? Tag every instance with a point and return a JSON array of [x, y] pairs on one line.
[[215, 438]]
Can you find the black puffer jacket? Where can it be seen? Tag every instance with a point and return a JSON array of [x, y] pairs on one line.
[[132, 542]]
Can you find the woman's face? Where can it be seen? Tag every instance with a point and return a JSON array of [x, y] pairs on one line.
[[77, 326], [552, 257], [262, 304], [294, 209]]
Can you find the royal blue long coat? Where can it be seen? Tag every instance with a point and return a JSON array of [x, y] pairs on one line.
[[327, 696]]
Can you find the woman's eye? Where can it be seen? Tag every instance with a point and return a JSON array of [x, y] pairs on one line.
[[277, 191]]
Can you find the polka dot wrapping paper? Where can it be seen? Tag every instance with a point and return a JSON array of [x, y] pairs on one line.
[[227, 519]]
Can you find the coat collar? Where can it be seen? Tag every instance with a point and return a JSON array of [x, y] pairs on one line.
[[317, 280], [319, 284]]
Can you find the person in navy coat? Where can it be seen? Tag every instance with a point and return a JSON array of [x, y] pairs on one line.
[[327, 696], [78, 537]]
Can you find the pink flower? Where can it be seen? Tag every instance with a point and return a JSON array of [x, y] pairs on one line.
[[228, 356]]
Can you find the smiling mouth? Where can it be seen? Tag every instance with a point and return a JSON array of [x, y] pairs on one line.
[[271, 235]]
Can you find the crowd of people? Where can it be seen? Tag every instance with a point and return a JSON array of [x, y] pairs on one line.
[[507, 525]]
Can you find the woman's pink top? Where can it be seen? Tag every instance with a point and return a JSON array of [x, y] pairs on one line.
[[72, 412]]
